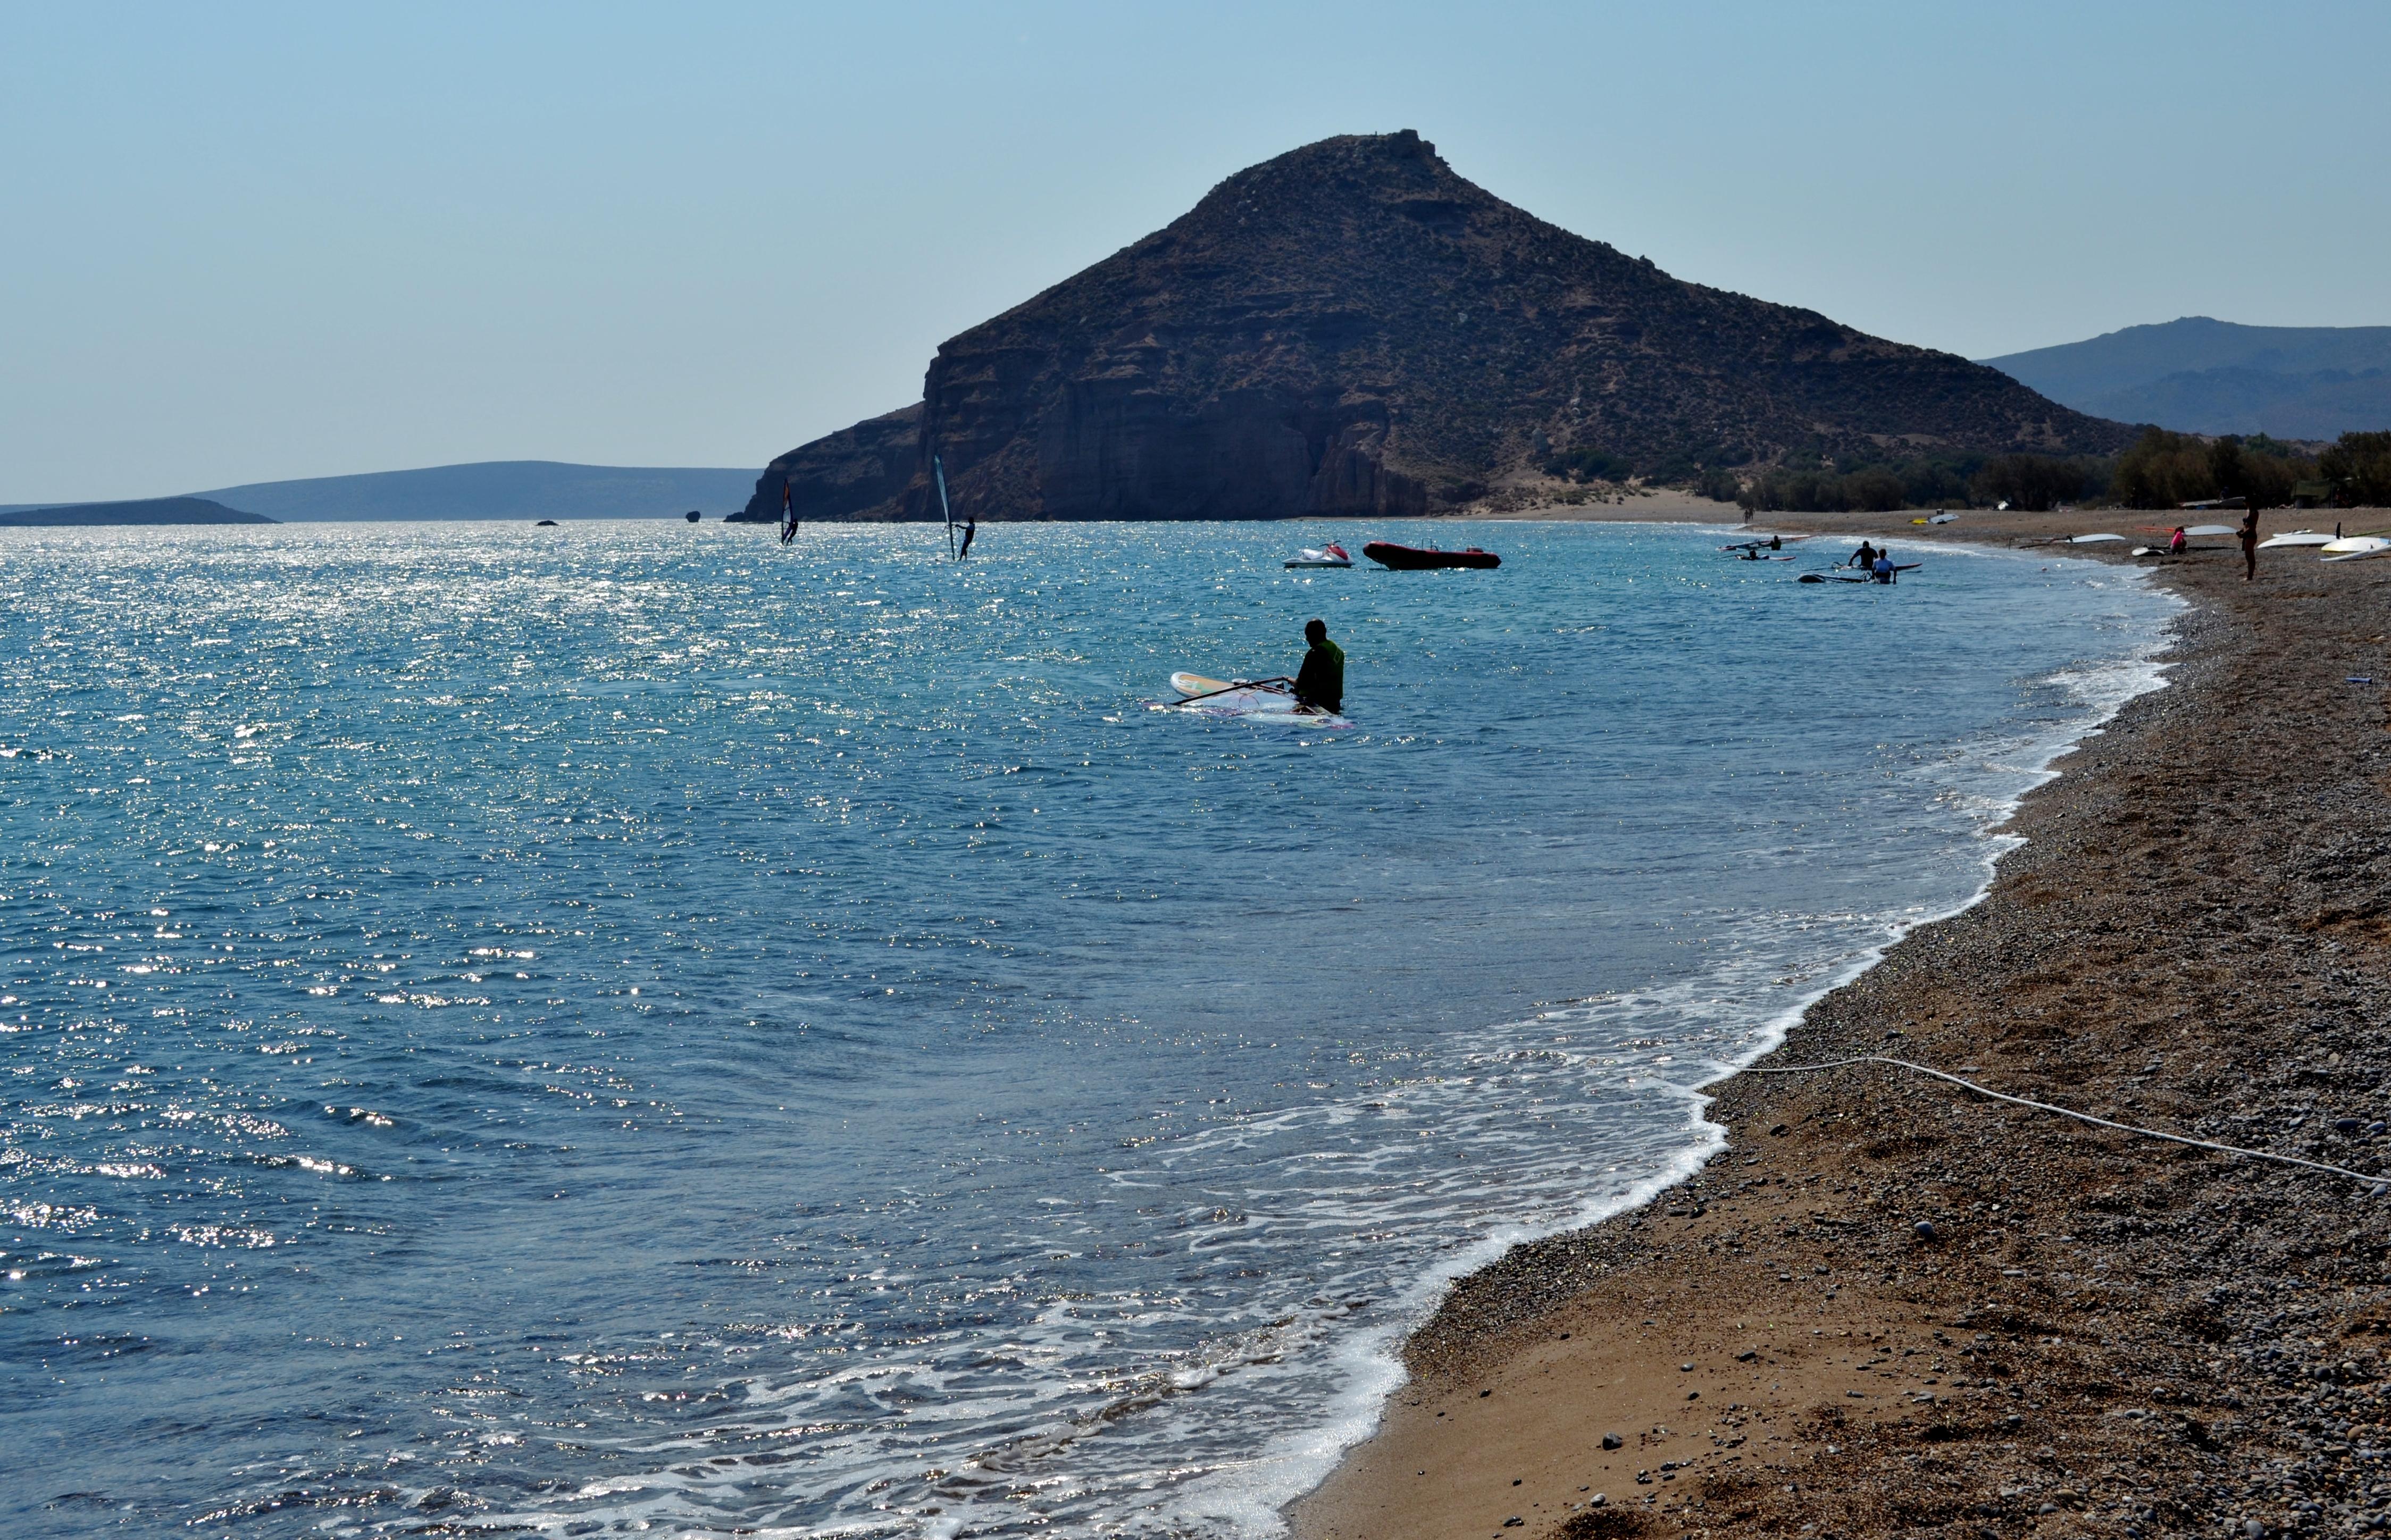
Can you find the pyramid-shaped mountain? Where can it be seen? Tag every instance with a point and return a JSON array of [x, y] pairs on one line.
[[1353, 329]]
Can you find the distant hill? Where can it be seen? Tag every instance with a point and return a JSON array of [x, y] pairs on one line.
[[148, 510], [1354, 329], [2204, 376], [501, 489]]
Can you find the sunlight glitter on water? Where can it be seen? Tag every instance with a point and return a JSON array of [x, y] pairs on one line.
[[629, 1025]]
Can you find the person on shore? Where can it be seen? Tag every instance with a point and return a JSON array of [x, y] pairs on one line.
[[970, 527], [1864, 558], [2250, 546], [1320, 683], [2176, 542]]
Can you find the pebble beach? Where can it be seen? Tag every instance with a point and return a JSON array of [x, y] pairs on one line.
[[1892, 1306]]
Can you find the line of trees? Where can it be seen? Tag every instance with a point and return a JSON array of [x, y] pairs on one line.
[[2359, 469], [2160, 470]]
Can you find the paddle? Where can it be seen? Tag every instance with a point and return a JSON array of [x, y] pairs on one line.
[[1241, 684]]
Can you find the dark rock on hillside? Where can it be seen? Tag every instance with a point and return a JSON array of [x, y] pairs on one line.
[[847, 475], [147, 510], [1353, 329]]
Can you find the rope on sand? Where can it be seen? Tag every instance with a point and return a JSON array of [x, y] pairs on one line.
[[2377, 1182]]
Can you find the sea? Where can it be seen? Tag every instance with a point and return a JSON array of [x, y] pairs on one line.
[[642, 1029]]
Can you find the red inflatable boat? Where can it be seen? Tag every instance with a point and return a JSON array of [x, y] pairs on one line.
[[1412, 559]]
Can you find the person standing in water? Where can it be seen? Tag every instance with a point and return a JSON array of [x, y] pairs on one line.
[[1320, 683], [1864, 558]]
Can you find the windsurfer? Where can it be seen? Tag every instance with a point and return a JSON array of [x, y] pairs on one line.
[[1320, 683]]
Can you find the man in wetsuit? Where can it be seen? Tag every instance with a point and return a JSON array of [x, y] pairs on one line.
[[1320, 683]]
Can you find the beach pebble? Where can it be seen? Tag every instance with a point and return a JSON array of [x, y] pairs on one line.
[[1925, 1229], [1685, 1369], [2254, 1529], [2346, 1125], [1612, 1440], [1597, 1499]]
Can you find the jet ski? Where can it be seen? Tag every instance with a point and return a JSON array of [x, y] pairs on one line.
[[1330, 555]]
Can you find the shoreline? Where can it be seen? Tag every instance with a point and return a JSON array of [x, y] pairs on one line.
[[1993, 1371]]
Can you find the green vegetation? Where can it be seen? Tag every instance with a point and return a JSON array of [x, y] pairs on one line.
[[1588, 464], [2039, 483], [2164, 470], [1810, 482], [2359, 468]]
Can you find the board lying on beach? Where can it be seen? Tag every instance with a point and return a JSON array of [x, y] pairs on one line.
[[1267, 702], [2357, 548], [2295, 538]]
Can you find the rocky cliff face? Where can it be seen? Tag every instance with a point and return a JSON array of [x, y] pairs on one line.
[[1353, 329]]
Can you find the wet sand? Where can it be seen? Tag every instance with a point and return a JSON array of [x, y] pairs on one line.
[[2095, 1333]]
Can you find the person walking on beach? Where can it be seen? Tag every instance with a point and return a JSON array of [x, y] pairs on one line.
[[1320, 683], [2250, 546]]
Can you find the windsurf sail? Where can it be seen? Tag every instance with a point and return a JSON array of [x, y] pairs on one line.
[[939, 469]]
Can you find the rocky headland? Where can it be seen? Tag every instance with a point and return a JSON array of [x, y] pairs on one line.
[[1353, 329], [145, 511]]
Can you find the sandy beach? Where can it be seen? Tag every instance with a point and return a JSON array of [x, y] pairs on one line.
[[1892, 1306]]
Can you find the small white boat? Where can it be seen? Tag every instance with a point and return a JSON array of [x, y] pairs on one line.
[[1330, 555], [1266, 703], [2296, 538]]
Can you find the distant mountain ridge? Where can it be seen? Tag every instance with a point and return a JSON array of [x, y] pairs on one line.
[[499, 489], [2207, 376], [1352, 328], [143, 511]]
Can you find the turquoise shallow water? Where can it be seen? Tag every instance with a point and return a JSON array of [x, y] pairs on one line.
[[640, 1028]]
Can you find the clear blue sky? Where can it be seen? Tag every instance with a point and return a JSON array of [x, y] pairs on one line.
[[244, 243]]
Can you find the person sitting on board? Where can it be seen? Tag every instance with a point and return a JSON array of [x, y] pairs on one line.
[[1864, 558], [1320, 683], [1882, 568]]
